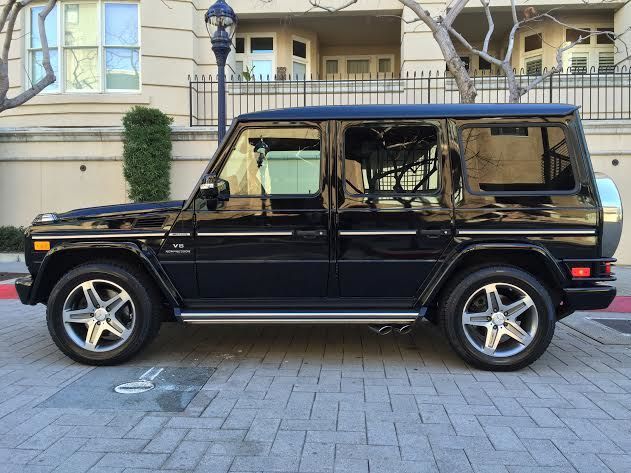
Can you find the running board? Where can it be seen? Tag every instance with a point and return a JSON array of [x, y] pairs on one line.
[[291, 317]]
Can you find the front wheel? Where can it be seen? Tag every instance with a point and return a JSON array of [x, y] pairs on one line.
[[102, 313], [498, 318]]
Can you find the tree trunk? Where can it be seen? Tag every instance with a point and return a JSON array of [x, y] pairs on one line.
[[514, 89], [455, 65]]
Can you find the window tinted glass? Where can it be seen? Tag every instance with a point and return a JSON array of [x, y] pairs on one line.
[[300, 49], [274, 161], [532, 42], [262, 45], [388, 160], [240, 45], [517, 159]]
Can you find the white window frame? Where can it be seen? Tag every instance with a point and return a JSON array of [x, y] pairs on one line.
[[591, 48], [341, 63], [535, 53], [306, 61], [61, 48], [247, 57]]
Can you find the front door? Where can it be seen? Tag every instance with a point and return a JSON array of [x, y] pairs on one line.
[[271, 238], [393, 210]]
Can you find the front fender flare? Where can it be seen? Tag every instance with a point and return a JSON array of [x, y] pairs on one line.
[[446, 266], [143, 253]]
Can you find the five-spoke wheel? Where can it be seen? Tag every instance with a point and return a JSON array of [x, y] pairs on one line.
[[498, 317], [103, 313], [99, 314]]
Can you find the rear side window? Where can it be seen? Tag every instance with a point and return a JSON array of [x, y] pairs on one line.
[[517, 159], [391, 159]]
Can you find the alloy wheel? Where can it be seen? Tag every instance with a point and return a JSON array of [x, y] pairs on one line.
[[500, 320], [99, 315]]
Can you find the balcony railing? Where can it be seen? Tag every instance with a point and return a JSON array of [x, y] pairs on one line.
[[602, 95]]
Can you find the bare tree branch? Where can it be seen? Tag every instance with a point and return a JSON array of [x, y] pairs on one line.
[[49, 76], [489, 19]]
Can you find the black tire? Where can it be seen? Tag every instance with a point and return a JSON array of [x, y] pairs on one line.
[[142, 292], [464, 286]]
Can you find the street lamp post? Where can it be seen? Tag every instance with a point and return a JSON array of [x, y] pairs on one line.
[[224, 19]]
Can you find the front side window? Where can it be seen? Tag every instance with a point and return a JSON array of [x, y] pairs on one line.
[[274, 161], [94, 46], [517, 159], [391, 160]]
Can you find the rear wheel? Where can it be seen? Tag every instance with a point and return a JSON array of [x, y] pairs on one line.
[[102, 313], [498, 318]]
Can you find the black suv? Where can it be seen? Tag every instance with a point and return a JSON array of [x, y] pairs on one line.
[[485, 219]]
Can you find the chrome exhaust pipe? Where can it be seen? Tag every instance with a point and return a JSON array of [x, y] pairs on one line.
[[381, 329], [404, 329]]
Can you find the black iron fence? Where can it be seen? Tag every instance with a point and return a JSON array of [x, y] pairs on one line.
[[604, 94]]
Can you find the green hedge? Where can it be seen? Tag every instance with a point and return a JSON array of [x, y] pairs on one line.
[[12, 239], [147, 154]]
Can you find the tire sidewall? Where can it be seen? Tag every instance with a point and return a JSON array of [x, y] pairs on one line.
[[524, 281], [119, 276]]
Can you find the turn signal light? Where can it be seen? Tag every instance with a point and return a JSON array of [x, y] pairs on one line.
[[41, 245], [581, 272]]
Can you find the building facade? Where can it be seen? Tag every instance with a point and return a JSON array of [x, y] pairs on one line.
[[63, 148]]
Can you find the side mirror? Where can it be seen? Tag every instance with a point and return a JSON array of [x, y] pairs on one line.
[[214, 188]]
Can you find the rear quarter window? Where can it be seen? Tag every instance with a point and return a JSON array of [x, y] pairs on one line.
[[517, 159]]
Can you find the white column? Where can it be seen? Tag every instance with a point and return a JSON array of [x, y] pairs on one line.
[[419, 50]]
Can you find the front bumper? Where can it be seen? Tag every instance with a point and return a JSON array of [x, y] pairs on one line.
[[23, 287], [588, 297]]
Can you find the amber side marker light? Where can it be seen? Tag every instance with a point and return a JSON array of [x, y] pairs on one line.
[[41, 245], [581, 272]]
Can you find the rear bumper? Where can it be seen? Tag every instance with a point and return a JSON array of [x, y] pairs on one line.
[[589, 297], [23, 287]]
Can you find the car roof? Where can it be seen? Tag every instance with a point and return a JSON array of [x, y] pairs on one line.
[[355, 112]]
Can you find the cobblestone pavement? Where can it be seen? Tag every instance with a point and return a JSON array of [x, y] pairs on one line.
[[320, 399]]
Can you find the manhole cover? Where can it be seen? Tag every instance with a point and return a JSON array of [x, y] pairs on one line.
[[132, 388], [620, 325]]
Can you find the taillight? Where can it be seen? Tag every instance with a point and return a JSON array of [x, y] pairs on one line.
[[607, 269], [581, 272]]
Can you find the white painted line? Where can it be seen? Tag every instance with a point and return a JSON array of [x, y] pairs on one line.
[[142, 376], [153, 376]]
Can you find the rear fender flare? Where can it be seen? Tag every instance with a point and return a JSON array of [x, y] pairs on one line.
[[446, 267], [142, 253]]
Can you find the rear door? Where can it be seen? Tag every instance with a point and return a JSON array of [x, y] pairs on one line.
[[393, 211]]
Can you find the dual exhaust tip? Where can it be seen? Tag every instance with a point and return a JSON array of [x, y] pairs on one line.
[[388, 329]]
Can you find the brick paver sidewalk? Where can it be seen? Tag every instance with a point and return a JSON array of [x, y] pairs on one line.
[[320, 399]]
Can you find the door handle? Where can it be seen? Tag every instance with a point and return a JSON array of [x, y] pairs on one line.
[[310, 233], [434, 233]]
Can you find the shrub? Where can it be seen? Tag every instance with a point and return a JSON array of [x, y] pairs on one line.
[[11, 239], [147, 154]]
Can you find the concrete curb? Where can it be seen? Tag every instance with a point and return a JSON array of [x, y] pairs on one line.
[[11, 257]]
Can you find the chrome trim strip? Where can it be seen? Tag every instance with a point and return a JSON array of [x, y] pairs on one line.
[[526, 232], [228, 320], [298, 317], [95, 236], [243, 234], [376, 232], [179, 234]]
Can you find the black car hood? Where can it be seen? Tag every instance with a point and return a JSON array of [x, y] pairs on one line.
[[121, 209]]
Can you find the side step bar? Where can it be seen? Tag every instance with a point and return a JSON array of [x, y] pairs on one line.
[[292, 317]]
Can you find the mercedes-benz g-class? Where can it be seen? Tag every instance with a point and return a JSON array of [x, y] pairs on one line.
[[485, 219]]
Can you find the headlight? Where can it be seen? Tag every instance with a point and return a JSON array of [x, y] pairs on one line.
[[45, 218]]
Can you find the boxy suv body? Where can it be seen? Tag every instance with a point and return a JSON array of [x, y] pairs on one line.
[[486, 219]]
